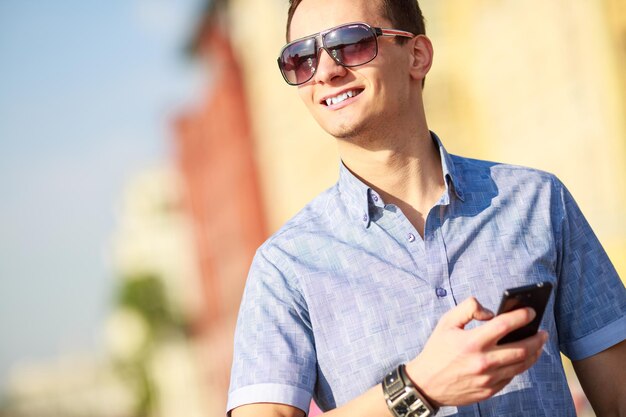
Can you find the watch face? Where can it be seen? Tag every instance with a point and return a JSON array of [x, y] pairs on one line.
[[407, 408], [401, 410]]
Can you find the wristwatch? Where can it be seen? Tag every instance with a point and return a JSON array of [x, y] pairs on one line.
[[403, 398]]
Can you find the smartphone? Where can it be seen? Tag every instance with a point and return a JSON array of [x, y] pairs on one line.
[[535, 296]]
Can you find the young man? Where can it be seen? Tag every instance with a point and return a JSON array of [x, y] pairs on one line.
[[394, 264]]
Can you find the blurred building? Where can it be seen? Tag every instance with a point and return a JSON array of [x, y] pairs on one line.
[[71, 386], [215, 153], [534, 83]]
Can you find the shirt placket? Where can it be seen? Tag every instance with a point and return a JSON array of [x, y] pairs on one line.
[[436, 257], [438, 273]]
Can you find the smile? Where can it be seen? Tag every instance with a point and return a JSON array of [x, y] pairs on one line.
[[341, 97]]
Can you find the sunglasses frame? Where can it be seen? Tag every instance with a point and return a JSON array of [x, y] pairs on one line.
[[320, 44]]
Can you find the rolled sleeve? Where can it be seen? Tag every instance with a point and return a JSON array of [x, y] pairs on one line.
[[274, 355], [591, 298], [596, 342], [270, 393]]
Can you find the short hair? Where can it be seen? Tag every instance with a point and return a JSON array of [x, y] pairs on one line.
[[403, 14]]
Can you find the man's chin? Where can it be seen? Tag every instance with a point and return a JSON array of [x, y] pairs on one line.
[[344, 131]]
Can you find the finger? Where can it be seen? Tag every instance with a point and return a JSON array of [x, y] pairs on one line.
[[507, 373], [483, 314], [468, 310], [517, 352], [503, 324], [495, 380]]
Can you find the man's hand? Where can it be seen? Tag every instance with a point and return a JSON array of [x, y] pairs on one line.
[[459, 367]]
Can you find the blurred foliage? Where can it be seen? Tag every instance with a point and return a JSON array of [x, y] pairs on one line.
[[146, 295]]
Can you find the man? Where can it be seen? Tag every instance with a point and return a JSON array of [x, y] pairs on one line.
[[394, 264]]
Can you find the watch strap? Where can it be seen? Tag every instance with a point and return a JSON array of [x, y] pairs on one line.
[[402, 396], [393, 383]]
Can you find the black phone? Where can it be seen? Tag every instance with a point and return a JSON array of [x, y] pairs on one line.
[[535, 296]]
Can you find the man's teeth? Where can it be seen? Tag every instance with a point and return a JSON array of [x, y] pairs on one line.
[[340, 97]]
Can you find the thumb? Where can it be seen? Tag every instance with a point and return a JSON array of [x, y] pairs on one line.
[[468, 310]]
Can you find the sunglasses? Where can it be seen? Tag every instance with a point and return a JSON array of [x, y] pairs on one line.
[[350, 45]]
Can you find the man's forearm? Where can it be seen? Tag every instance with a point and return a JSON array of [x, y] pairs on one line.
[[370, 404], [604, 381]]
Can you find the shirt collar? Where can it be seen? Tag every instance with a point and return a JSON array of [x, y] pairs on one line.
[[451, 175], [355, 195], [360, 199]]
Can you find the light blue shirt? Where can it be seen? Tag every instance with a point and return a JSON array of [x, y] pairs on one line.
[[348, 289]]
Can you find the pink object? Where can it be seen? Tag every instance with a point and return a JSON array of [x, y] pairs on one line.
[[314, 410]]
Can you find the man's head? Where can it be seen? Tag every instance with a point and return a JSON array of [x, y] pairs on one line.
[[362, 100], [403, 14]]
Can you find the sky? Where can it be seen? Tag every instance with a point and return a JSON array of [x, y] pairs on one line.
[[88, 90]]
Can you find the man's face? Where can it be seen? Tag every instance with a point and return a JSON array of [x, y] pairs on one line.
[[379, 88]]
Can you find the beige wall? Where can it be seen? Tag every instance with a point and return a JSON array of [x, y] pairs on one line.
[[534, 83], [297, 160]]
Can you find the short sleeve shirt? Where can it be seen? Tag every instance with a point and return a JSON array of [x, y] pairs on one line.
[[348, 289]]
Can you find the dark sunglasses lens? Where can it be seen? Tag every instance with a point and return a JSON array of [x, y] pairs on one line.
[[298, 61], [352, 45]]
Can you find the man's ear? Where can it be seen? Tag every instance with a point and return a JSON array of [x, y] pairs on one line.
[[421, 56]]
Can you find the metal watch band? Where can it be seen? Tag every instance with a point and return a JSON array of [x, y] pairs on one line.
[[403, 398]]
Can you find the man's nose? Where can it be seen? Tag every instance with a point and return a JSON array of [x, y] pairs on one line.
[[328, 68]]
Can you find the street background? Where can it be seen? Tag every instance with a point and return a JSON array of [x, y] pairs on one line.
[[147, 147]]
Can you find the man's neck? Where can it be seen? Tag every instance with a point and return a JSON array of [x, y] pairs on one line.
[[406, 172]]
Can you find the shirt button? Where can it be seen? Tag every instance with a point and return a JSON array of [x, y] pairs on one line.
[[375, 198], [365, 217], [411, 237], [441, 292]]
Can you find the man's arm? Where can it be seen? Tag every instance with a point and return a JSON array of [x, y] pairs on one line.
[[456, 366], [267, 409], [603, 379]]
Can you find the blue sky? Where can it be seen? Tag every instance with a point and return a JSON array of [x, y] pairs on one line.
[[88, 90]]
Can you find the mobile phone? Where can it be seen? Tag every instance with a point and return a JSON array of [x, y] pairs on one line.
[[535, 296]]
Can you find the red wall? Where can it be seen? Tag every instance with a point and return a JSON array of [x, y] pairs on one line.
[[215, 154]]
